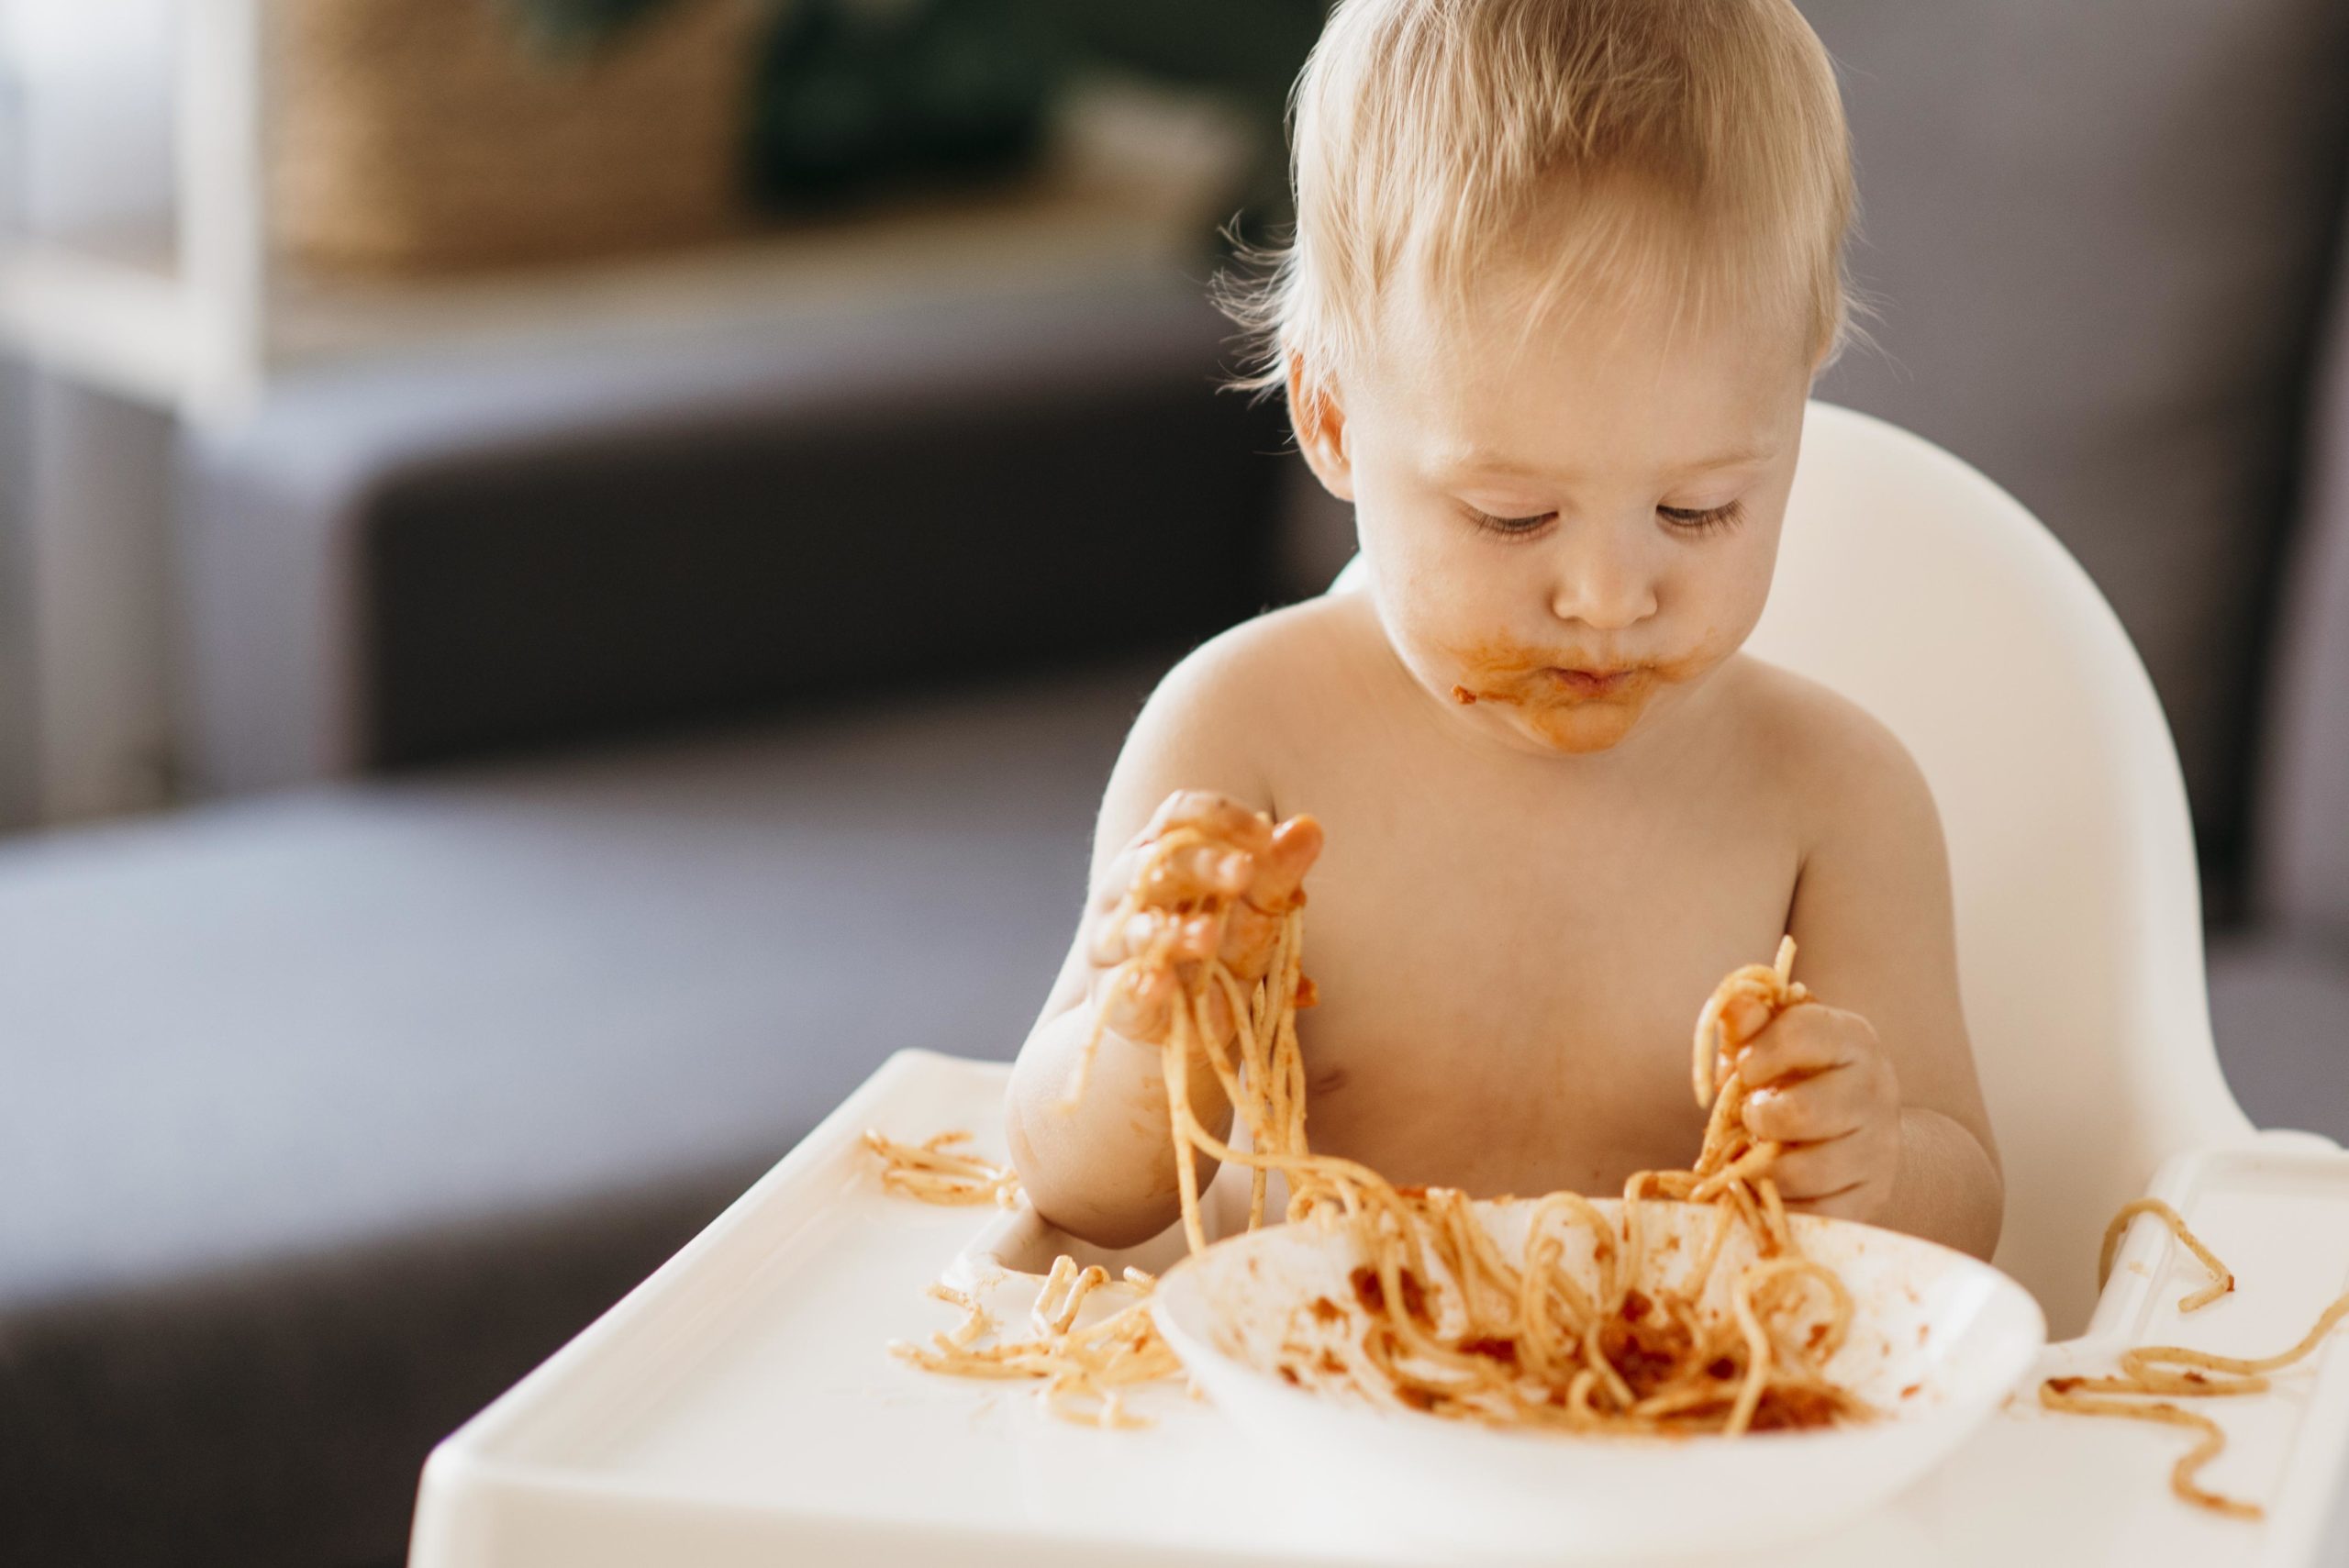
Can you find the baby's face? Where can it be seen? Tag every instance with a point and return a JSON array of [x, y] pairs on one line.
[[1567, 526]]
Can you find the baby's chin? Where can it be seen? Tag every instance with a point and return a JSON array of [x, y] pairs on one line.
[[1568, 726], [1580, 729]]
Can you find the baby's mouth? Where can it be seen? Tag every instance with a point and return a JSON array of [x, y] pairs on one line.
[[1587, 683], [1554, 683]]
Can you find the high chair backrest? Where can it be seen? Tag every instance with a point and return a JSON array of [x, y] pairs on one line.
[[1911, 584]]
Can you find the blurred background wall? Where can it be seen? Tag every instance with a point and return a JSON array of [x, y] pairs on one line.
[[84, 724], [376, 184]]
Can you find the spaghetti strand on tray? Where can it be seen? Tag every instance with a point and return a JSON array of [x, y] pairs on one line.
[[2222, 1281], [2173, 1372], [935, 1171]]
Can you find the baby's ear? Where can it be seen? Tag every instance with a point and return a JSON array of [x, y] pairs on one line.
[[1320, 421]]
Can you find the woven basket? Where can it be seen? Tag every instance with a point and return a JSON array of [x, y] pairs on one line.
[[430, 135]]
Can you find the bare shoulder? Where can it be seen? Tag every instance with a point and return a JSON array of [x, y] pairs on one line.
[[1226, 717], [1258, 661], [1254, 678], [1845, 773]]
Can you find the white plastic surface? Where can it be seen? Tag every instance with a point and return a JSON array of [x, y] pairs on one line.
[[1937, 1342], [739, 1408], [1910, 582]]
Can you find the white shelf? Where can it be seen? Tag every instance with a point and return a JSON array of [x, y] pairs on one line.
[[1134, 178], [118, 325], [1105, 209]]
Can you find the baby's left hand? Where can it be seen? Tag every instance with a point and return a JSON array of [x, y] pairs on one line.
[[1821, 1085]]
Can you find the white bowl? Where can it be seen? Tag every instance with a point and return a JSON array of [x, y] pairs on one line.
[[1938, 1340]]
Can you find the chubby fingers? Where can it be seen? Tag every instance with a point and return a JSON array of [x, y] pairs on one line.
[[1825, 1182], [1812, 1111], [1829, 1095], [1176, 880], [1804, 1039], [1163, 936], [1185, 874], [1815, 1073], [1273, 891], [1744, 1017], [1218, 817], [1193, 873], [1849, 1176], [1221, 866], [1225, 896], [1139, 1001]]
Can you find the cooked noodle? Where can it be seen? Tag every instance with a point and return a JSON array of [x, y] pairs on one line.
[[1527, 1344], [935, 1172], [2222, 1281], [2176, 1372], [1083, 1369]]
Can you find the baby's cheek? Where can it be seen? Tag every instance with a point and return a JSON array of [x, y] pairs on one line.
[[1727, 603], [1423, 621]]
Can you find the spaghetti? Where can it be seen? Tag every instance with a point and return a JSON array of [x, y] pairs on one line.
[[936, 1172], [1527, 1345], [1516, 1342], [2222, 1281], [1519, 1341], [2175, 1372], [1084, 1370]]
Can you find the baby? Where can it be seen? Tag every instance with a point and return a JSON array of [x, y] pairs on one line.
[[1564, 274]]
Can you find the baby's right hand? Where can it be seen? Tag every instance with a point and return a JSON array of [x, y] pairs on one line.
[[1224, 897]]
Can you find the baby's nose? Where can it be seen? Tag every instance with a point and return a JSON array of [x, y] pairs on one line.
[[1602, 583]]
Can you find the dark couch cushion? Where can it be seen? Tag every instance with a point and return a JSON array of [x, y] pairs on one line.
[[448, 558], [342, 1110]]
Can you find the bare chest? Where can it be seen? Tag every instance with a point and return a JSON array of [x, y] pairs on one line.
[[1509, 993]]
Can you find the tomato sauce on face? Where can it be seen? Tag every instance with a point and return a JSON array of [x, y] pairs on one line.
[[1569, 701]]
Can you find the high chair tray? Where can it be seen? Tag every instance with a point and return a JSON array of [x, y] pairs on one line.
[[739, 1407]]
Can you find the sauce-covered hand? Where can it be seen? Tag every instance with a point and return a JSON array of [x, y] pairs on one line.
[[1206, 878], [1820, 1085]]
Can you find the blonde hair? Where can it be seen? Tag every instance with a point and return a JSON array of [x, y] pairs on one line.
[[1618, 146]]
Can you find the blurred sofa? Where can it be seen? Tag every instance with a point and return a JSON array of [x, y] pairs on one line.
[[611, 753], [346, 1098]]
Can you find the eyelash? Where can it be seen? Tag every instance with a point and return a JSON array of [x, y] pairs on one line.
[[1719, 520], [1702, 525]]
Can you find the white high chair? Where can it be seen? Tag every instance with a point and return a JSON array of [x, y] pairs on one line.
[[737, 1407], [1911, 584]]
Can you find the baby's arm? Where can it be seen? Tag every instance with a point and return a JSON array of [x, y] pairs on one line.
[[1874, 1089], [1101, 1165]]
